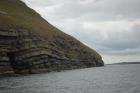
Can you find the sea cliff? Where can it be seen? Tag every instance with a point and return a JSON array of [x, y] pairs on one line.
[[29, 44]]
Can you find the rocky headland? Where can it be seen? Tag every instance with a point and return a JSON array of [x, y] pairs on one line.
[[29, 44]]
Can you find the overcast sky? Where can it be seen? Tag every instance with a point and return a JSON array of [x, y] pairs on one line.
[[112, 27]]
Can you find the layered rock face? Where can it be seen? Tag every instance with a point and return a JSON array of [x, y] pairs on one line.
[[29, 44]]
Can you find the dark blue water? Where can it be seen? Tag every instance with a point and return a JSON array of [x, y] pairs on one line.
[[108, 79]]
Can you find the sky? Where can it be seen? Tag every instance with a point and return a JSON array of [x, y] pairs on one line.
[[111, 27]]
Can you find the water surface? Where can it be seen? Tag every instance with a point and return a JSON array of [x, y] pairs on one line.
[[108, 79]]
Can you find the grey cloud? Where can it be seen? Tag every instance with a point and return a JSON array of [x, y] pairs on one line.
[[116, 43], [97, 10]]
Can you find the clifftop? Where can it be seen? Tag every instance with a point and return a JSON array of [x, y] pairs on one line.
[[29, 44]]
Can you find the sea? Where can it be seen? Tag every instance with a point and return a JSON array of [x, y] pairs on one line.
[[107, 79]]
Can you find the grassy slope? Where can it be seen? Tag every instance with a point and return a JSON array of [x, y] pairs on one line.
[[18, 15]]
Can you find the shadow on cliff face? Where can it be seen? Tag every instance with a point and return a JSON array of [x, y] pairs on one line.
[[18, 66]]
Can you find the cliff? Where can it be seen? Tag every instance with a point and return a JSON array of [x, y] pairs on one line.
[[29, 44]]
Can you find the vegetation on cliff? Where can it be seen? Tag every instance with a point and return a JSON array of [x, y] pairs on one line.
[[29, 44]]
